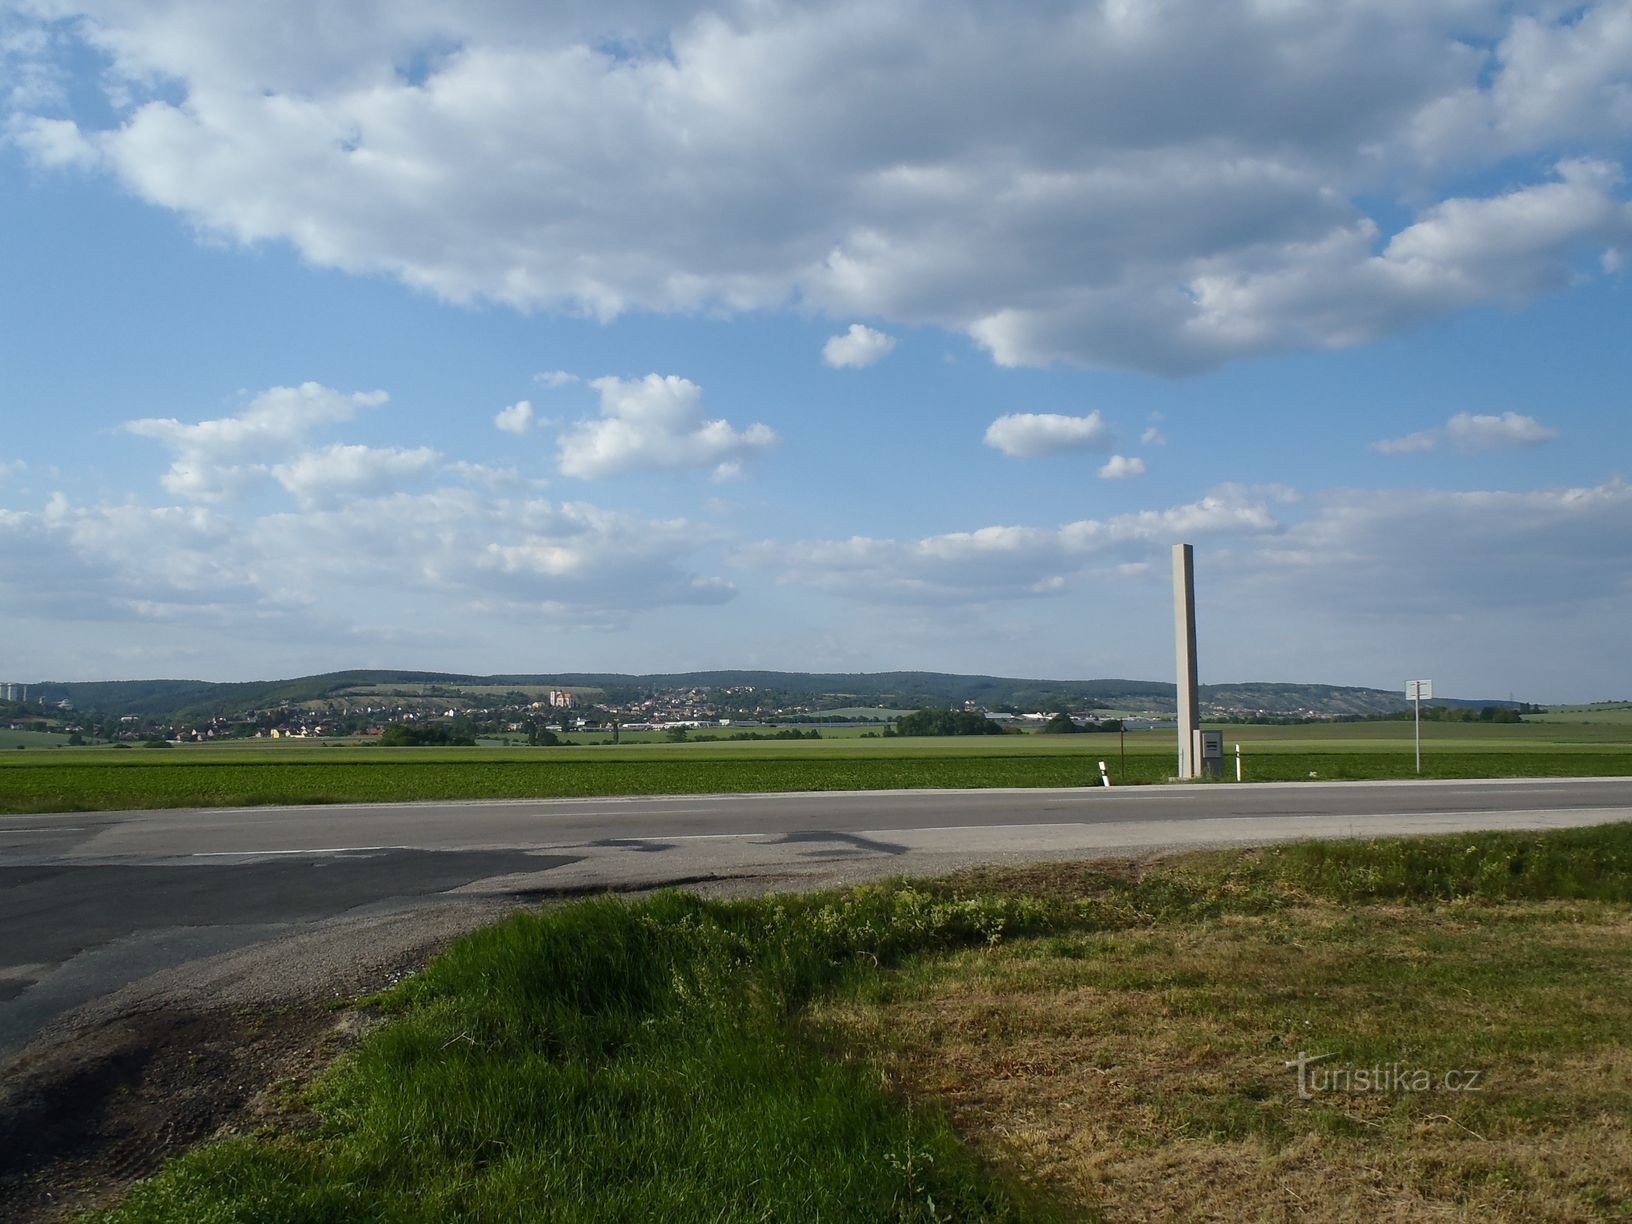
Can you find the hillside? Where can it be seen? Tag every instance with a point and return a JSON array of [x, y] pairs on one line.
[[816, 690]]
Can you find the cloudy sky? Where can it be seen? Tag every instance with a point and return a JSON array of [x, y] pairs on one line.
[[635, 336]]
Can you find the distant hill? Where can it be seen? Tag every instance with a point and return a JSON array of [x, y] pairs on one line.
[[189, 699]]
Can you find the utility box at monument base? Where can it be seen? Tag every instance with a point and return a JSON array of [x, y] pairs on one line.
[[1208, 753]]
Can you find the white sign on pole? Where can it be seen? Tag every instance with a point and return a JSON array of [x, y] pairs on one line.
[[1417, 692]]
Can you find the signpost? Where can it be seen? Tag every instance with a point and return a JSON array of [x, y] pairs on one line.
[[1417, 691]]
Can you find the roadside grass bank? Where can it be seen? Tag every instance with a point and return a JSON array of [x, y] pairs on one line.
[[1107, 1039], [1388, 1030], [102, 781]]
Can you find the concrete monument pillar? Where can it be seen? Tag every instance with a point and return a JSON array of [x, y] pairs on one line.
[[1184, 632]]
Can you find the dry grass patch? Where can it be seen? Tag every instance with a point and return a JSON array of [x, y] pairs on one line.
[[1142, 1073]]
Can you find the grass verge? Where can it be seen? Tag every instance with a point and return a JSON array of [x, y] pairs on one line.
[[1458, 1008], [1102, 1034]]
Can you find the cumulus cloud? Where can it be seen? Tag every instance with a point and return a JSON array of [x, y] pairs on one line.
[[1030, 435], [420, 554], [858, 347], [1408, 444], [1473, 433], [1122, 467], [517, 418], [1153, 436], [655, 422], [89, 562], [221, 458], [1475, 553], [1043, 182], [1468, 431], [1005, 562], [56, 144], [321, 475]]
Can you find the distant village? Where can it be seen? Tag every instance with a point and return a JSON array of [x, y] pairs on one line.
[[513, 714], [522, 714]]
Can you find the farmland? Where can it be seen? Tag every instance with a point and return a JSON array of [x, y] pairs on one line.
[[279, 772]]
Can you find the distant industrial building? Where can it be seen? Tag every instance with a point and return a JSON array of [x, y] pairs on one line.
[[13, 692]]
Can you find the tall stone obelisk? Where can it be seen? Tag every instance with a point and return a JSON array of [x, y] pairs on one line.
[[1184, 634]]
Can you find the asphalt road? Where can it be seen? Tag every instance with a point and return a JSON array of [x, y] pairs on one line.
[[91, 903]]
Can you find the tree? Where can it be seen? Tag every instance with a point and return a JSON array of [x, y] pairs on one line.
[[945, 722], [410, 735], [1061, 724]]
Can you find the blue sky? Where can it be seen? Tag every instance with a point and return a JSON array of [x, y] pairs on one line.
[[845, 337]]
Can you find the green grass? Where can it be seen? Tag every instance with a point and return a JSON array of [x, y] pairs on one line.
[[612, 1061], [10, 741], [280, 772], [690, 1060]]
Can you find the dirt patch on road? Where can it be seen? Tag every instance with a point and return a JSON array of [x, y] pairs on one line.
[[83, 1119]]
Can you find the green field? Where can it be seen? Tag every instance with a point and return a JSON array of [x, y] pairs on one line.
[[280, 771], [10, 741]]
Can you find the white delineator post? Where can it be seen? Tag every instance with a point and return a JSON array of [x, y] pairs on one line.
[[1184, 634], [1104, 777]]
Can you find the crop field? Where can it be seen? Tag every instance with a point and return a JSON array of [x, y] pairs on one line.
[[278, 772]]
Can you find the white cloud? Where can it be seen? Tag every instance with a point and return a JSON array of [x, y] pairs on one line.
[[556, 378], [1478, 553], [1005, 562], [391, 561], [1122, 467], [1555, 76], [1029, 435], [654, 423], [1153, 436], [517, 418], [1043, 182], [87, 563], [10, 468], [1472, 433], [858, 347], [491, 477], [221, 458], [1467, 431], [57, 144], [319, 476], [1409, 444]]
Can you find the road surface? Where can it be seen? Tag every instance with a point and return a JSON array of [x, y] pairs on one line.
[[92, 904]]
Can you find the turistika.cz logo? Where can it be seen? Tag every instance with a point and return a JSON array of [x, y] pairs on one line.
[[1383, 1077]]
